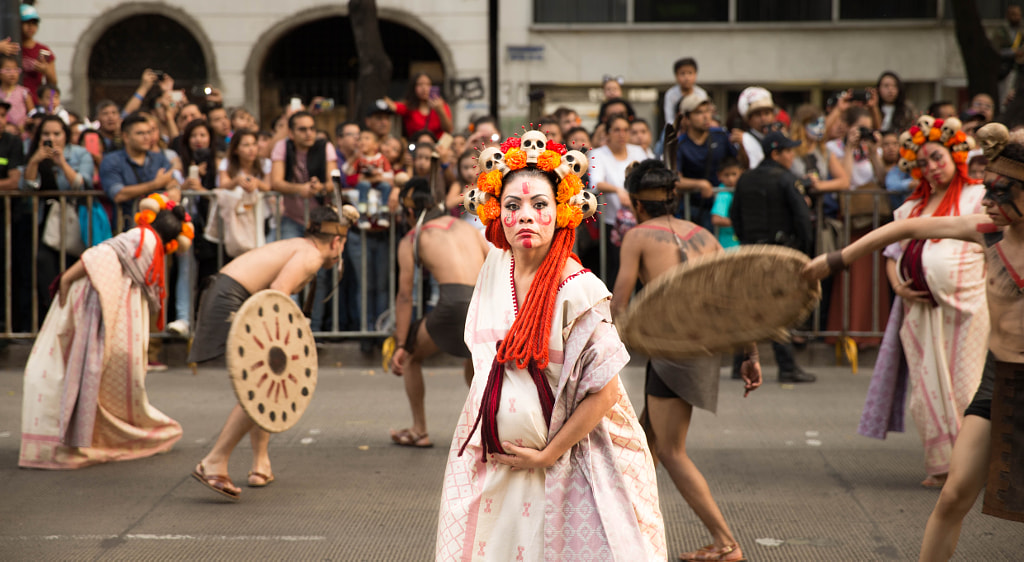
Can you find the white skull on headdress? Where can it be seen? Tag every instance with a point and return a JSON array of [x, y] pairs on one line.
[[533, 143], [491, 159], [907, 141], [949, 128], [574, 162], [586, 201], [925, 123], [473, 198]]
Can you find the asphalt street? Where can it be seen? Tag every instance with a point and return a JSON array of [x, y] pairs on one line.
[[791, 475]]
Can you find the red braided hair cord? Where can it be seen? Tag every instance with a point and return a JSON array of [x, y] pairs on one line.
[[950, 204], [155, 273]]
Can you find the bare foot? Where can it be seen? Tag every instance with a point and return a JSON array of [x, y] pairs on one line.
[[934, 481]]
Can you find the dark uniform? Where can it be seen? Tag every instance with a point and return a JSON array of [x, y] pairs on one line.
[[769, 208]]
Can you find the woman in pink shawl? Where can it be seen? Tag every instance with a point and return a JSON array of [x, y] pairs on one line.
[[549, 461]]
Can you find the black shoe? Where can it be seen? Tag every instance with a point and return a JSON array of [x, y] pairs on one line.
[[796, 375]]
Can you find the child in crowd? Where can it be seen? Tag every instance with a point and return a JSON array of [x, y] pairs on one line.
[[18, 96], [976, 167], [371, 174], [577, 138], [49, 101], [640, 135], [464, 180], [728, 174]]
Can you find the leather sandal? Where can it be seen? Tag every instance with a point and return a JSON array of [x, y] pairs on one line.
[[728, 553], [217, 482]]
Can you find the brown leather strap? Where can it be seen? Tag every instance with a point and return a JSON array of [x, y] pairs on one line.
[[835, 261]]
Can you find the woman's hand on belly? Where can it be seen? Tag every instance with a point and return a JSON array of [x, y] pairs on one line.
[[523, 457]]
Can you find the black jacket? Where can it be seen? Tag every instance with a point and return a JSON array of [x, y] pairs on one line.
[[769, 208]]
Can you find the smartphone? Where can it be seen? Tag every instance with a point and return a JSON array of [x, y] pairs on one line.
[[48, 143], [860, 95], [295, 104], [93, 144], [435, 92], [45, 55], [177, 96], [445, 141]]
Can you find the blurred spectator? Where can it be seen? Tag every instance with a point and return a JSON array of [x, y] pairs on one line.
[[394, 149], [322, 135], [55, 164], [423, 108], [485, 133], [971, 121], [12, 157], [983, 104], [611, 86], [549, 126], [568, 119], [615, 106], [302, 168], [608, 176], [729, 171], [685, 70], [240, 118], [758, 110], [370, 173], [158, 144], [1007, 41], [599, 136], [699, 152], [49, 102], [346, 136], [898, 183], [134, 171], [37, 60], [199, 159], [640, 135], [942, 109], [813, 162], [859, 153], [220, 124], [188, 113], [577, 138], [459, 143], [378, 119], [465, 180], [889, 106], [109, 117], [976, 167], [15, 95]]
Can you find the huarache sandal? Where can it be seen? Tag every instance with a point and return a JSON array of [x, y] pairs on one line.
[[934, 481], [217, 482], [407, 438], [728, 553], [259, 480]]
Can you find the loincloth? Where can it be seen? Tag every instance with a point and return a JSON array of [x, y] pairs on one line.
[[216, 309], [695, 381], [446, 323]]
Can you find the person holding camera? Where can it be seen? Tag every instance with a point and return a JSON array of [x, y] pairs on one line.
[[54, 164], [423, 108], [888, 104]]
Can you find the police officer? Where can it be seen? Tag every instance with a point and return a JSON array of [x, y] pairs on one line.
[[769, 208]]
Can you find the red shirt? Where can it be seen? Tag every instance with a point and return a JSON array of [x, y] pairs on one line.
[[30, 77], [414, 120]]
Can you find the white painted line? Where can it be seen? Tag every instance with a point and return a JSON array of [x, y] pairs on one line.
[[814, 443], [811, 433], [770, 542], [314, 431], [151, 537], [306, 440], [5, 433]]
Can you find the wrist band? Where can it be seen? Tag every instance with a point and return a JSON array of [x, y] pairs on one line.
[[835, 261], [137, 96]]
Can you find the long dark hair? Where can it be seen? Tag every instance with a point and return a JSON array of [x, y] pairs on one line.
[[411, 101], [234, 164], [900, 115], [189, 156], [47, 177]]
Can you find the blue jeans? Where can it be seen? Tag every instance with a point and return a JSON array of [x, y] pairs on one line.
[[364, 189], [375, 278], [183, 287]]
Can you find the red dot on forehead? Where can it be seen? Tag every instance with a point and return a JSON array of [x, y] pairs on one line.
[[526, 187]]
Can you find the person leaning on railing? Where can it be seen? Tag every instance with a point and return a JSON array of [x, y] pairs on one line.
[[55, 164]]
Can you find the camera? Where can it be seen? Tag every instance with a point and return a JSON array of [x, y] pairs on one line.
[[806, 185], [866, 134], [201, 91], [159, 75], [862, 96], [324, 104], [48, 143]]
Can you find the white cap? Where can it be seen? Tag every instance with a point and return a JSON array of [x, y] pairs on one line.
[[754, 97]]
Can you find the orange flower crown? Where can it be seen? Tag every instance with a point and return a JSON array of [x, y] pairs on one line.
[[148, 209], [532, 149], [929, 129]]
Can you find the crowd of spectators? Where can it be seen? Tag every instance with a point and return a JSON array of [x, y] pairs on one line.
[[166, 139]]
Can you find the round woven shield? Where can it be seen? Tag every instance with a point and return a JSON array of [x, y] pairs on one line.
[[271, 357], [716, 304]]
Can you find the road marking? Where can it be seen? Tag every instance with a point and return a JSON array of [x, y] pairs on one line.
[[151, 537], [770, 542], [814, 443], [306, 440]]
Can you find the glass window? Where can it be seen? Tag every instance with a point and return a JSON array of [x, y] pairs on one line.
[[783, 10], [680, 10], [887, 9], [988, 9], [579, 11]]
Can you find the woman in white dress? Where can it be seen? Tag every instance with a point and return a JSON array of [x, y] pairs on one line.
[[549, 461]]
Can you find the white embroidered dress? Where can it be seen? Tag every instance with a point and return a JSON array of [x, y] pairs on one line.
[[600, 500]]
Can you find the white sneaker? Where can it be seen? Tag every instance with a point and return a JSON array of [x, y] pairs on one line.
[[382, 221], [363, 224], [178, 328]]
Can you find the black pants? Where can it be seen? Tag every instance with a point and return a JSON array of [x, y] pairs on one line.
[[783, 358]]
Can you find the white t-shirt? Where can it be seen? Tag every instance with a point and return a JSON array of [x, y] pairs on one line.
[[672, 98], [863, 171], [265, 164], [752, 146], [609, 169]]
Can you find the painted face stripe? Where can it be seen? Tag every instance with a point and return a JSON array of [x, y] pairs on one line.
[[1009, 268]]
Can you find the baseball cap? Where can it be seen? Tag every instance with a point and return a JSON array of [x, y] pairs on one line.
[[754, 97], [692, 101], [5, 105], [29, 13], [777, 140], [379, 106]]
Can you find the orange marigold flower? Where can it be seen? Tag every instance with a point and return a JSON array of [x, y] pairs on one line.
[[908, 154], [488, 211], [171, 246], [490, 182], [918, 138], [568, 216], [569, 187], [960, 137], [515, 159], [548, 160], [188, 231], [960, 157], [145, 217], [915, 173], [934, 134]]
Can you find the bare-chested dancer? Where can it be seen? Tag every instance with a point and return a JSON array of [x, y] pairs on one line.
[[286, 266], [1001, 232], [673, 388], [444, 245]]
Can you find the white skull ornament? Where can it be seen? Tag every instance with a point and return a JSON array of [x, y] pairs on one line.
[[907, 141], [533, 143], [577, 162], [950, 127], [473, 198], [906, 166], [492, 159], [925, 123], [586, 201]]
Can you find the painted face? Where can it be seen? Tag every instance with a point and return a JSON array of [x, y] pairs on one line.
[[1004, 199], [528, 213], [939, 169]]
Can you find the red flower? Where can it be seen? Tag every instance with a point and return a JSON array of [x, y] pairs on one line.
[[511, 142], [557, 147]]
